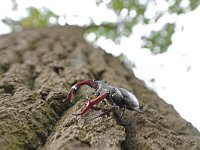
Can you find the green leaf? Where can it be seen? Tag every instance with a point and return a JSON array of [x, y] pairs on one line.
[[159, 41], [117, 5], [194, 4]]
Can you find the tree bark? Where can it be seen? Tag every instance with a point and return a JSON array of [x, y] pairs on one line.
[[37, 68]]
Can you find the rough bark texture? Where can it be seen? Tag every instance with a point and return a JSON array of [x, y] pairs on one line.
[[38, 66]]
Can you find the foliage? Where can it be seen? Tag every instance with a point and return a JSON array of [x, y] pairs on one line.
[[36, 18], [124, 59], [159, 41], [129, 13]]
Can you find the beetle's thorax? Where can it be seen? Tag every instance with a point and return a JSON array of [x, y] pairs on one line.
[[103, 87]]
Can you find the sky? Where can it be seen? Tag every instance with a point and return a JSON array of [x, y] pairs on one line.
[[176, 72]]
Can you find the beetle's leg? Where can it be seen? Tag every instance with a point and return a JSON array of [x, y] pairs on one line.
[[138, 110], [91, 83], [124, 107], [90, 103], [110, 101], [103, 102], [105, 113]]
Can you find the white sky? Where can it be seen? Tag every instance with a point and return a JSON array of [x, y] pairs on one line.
[[176, 72]]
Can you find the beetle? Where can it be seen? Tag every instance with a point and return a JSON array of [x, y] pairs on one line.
[[115, 96]]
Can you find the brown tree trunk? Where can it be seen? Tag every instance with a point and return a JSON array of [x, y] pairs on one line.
[[37, 68]]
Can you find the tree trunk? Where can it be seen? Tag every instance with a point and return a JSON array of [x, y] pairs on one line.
[[37, 68]]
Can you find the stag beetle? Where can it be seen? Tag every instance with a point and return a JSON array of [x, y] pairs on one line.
[[115, 96]]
